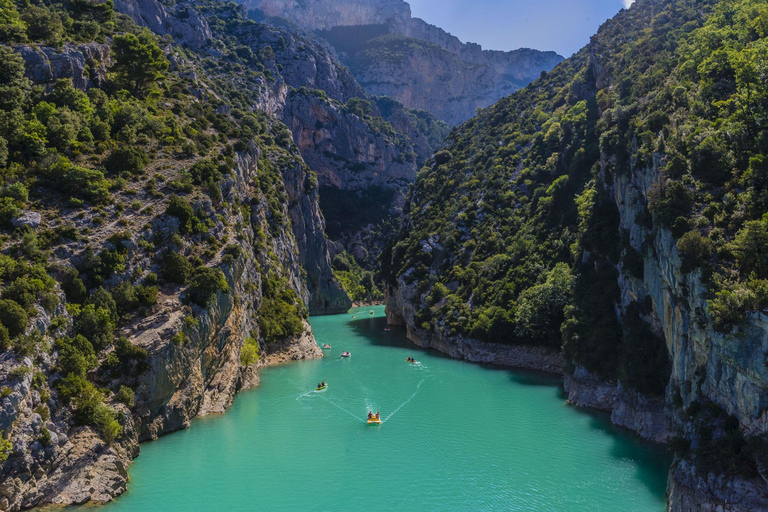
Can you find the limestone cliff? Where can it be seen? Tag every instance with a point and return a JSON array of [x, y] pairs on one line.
[[192, 367]]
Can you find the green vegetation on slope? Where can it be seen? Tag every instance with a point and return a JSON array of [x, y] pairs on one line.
[[512, 234], [81, 159], [522, 187]]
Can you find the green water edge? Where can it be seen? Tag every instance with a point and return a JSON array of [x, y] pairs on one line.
[[455, 436]]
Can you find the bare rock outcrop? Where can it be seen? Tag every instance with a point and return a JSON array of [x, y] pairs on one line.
[[86, 64]]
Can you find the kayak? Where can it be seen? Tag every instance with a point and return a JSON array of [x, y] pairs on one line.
[[321, 388], [345, 354], [374, 421], [414, 362]]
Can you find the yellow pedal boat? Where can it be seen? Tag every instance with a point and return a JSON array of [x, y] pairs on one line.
[[374, 421]]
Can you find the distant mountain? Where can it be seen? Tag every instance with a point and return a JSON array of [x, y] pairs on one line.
[[421, 65]]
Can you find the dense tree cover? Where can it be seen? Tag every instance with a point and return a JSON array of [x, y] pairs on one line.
[[72, 153], [512, 233], [527, 186], [281, 313], [359, 284]]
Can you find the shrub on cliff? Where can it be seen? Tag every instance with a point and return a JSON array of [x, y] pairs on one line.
[[281, 311], [751, 248], [126, 159], [182, 210], [205, 283], [13, 317], [96, 325], [6, 448], [76, 355], [695, 250], [176, 268], [249, 354]]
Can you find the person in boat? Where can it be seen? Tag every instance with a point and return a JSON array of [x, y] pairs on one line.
[[370, 415], [322, 384], [378, 417]]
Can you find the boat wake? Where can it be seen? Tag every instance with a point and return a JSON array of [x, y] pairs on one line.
[[357, 418], [404, 403]]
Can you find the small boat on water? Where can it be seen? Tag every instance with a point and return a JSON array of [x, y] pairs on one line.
[[320, 388], [326, 346], [345, 354], [371, 313], [411, 360], [374, 419]]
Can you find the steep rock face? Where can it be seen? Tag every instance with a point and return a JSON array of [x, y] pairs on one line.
[[645, 415], [688, 491], [344, 150], [85, 64], [196, 376], [428, 77], [186, 26], [303, 63], [324, 295]]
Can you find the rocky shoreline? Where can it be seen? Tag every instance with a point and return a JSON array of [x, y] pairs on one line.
[[646, 416]]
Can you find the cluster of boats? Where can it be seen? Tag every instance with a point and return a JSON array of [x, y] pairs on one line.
[[373, 419]]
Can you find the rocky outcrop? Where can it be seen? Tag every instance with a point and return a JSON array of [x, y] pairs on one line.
[[687, 490], [344, 150], [86, 64], [186, 25], [644, 415]]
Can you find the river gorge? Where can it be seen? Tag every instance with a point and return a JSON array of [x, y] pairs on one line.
[[455, 436]]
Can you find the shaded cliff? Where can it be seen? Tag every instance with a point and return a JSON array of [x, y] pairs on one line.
[[603, 212]]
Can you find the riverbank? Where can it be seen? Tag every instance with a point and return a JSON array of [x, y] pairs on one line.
[[643, 415], [510, 443]]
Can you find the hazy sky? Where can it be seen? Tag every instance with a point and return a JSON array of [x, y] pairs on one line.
[[561, 25]]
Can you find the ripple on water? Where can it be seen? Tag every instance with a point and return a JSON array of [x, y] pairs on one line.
[[456, 436]]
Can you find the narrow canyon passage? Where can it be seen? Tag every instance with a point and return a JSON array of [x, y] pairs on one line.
[[455, 436]]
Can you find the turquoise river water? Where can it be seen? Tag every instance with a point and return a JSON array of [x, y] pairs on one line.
[[455, 436]]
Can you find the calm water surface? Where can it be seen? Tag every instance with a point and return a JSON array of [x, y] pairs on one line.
[[456, 436]]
